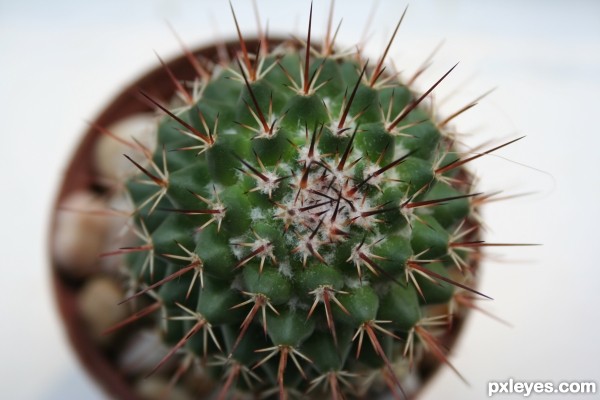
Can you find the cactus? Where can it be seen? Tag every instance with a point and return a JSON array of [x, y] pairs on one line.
[[304, 224]]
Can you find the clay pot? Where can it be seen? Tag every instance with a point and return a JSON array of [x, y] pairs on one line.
[[80, 175]]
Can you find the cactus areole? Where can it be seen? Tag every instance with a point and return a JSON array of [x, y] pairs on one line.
[[304, 225]]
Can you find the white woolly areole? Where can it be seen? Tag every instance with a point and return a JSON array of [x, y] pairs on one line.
[[269, 185], [285, 269], [257, 214], [354, 283], [236, 249]]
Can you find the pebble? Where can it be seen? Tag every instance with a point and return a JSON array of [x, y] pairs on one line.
[[80, 234], [109, 162], [98, 306]]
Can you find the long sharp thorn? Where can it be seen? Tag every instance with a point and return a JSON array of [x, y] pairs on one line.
[[315, 253], [196, 132], [259, 112], [379, 210], [436, 202], [413, 104], [467, 301], [493, 197], [328, 315], [443, 278], [307, 56], [376, 77], [314, 75], [312, 309], [424, 65], [200, 70], [456, 114], [382, 170], [261, 34], [376, 268], [150, 175], [210, 135], [127, 250], [257, 59], [376, 72], [231, 377], [280, 371], [192, 212], [169, 278], [176, 83], [251, 168], [304, 179], [457, 163], [105, 213], [314, 233], [179, 345], [342, 163], [327, 45], [250, 256], [311, 149], [368, 23], [337, 207], [245, 326], [379, 350], [485, 244], [183, 367], [106, 132], [242, 44], [322, 194], [335, 34], [306, 208], [434, 346], [393, 164], [334, 387], [138, 315], [351, 99]]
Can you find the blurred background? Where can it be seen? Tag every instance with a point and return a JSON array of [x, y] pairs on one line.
[[62, 61]]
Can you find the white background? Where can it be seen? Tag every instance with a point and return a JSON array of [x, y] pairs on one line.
[[61, 61]]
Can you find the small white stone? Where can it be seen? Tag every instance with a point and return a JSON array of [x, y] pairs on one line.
[[98, 305], [80, 234], [109, 162]]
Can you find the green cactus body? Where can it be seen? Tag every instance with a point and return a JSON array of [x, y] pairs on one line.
[[302, 224]]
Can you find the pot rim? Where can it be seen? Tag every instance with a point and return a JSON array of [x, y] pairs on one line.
[[79, 174]]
